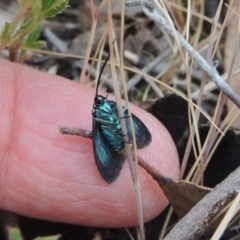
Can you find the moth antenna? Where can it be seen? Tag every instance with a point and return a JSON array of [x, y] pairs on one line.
[[100, 74]]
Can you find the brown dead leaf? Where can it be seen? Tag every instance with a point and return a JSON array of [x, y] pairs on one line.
[[182, 195]]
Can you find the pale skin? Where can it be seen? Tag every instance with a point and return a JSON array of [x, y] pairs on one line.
[[46, 175]]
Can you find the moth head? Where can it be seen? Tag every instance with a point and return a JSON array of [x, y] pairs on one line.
[[99, 100]]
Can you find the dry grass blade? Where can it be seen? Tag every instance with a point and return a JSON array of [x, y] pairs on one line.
[[228, 217], [153, 12]]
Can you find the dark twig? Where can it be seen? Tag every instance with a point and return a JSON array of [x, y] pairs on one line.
[[75, 131]]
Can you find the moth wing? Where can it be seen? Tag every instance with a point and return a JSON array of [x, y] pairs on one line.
[[143, 136], [109, 161]]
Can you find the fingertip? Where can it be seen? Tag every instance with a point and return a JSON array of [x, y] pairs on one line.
[[43, 160]]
